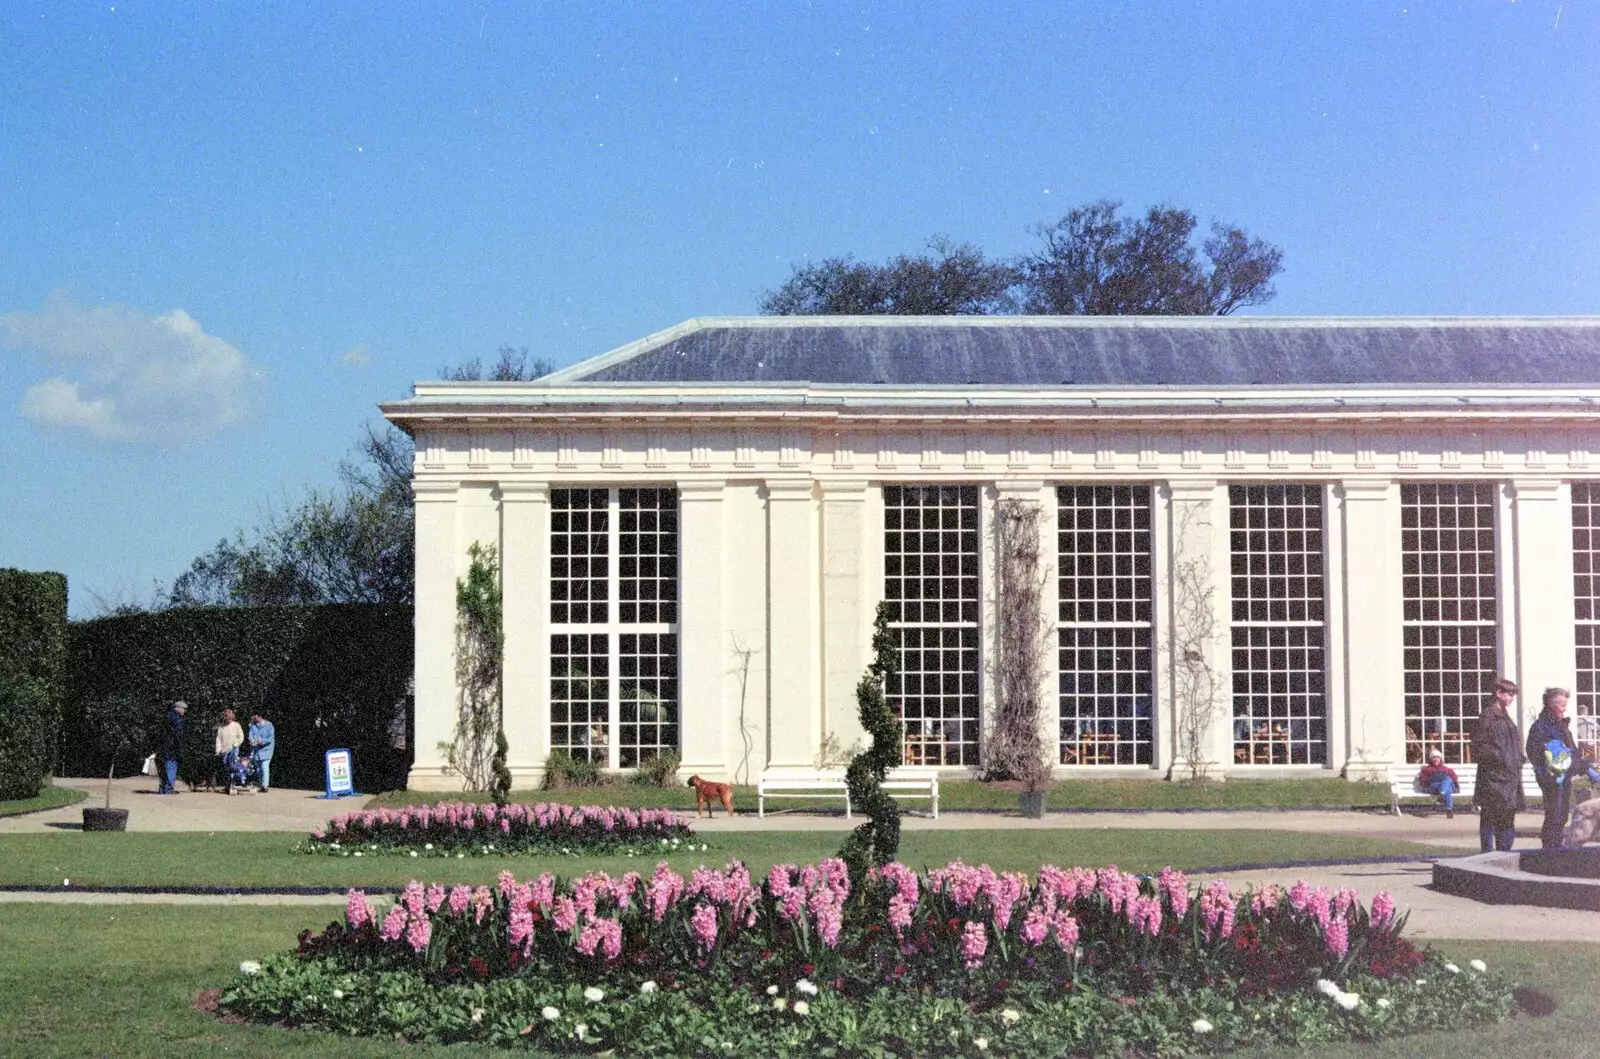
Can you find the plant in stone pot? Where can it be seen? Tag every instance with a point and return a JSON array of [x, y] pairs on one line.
[[121, 736], [1016, 745]]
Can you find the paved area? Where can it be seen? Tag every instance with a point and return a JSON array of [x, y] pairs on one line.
[[1433, 914]]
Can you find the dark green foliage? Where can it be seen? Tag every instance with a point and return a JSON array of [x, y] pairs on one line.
[[877, 841], [659, 771], [562, 770], [330, 676], [33, 636]]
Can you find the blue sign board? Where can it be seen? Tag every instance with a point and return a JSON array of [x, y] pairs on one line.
[[341, 774]]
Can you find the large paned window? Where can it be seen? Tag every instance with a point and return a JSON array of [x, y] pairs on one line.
[[931, 586], [614, 624], [1586, 592], [1451, 629], [1280, 713], [1104, 624]]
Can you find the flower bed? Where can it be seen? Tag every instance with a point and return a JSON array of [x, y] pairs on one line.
[[457, 829], [961, 960]]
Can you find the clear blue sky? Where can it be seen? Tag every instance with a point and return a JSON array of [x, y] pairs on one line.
[[228, 230]]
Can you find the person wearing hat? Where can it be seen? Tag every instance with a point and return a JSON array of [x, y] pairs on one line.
[[171, 748], [1440, 780]]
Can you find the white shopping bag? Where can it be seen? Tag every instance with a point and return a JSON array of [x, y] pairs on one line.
[[149, 768]]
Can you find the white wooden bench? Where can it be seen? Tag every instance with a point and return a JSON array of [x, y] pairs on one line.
[[1403, 783], [901, 783]]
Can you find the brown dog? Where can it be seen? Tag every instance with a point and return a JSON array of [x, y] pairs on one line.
[[708, 794]]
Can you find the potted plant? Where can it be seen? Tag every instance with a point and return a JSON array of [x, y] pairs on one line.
[[118, 733]]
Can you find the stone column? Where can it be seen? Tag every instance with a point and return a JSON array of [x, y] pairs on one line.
[[525, 670], [793, 646], [1199, 655], [435, 700], [848, 602], [1543, 602], [1367, 577], [703, 655]]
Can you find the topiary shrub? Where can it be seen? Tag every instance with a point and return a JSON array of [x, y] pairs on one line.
[[876, 842], [25, 747]]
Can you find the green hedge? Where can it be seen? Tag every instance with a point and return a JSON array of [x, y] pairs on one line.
[[33, 636], [328, 676]]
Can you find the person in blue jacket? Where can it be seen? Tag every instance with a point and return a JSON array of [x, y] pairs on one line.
[[1553, 753], [260, 739], [171, 749]]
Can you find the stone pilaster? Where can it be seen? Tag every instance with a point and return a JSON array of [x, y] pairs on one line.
[[1543, 607], [1366, 575], [525, 670], [435, 701], [793, 644], [848, 601], [702, 650], [1199, 662]]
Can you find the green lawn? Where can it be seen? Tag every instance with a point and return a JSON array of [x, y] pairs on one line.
[[96, 980], [966, 794], [49, 798], [268, 858]]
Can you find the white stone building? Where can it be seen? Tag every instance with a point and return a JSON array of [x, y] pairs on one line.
[[1376, 516]]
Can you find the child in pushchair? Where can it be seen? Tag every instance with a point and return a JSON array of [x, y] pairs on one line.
[[238, 770]]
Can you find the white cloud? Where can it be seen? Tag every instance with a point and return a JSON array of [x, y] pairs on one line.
[[356, 356], [127, 376]]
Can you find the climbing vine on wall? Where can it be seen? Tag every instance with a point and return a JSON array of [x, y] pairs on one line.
[[478, 751], [877, 841], [1016, 749]]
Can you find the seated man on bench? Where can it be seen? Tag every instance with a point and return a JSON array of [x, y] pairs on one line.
[[1440, 780]]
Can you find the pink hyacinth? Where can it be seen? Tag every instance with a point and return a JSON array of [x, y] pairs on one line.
[[1336, 936], [1217, 910], [435, 898], [974, 943], [418, 933], [703, 926], [564, 913], [1175, 885], [394, 924], [505, 882], [482, 901], [356, 912], [460, 898], [1144, 915], [1035, 926], [900, 914], [1382, 909], [519, 930], [604, 934], [413, 898], [1066, 932]]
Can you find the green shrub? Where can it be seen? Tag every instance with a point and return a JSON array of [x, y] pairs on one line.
[[330, 676], [33, 632], [659, 771], [562, 771]]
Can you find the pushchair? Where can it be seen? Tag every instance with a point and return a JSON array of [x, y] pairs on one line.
[[238, 770]]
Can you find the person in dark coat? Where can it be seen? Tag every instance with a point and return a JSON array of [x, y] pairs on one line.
[[1556, 763], [1497, 751], [171, 748]]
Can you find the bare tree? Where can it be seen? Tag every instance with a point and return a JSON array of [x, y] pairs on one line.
[[1198, 702], [1015, 747]]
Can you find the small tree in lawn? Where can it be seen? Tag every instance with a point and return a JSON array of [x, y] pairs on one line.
[[877, 841], [479, 749], [121, 732]]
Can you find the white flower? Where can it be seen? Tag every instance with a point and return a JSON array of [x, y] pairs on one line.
[[779, 1003], [550, 1013], [358, 853], [1422, 981], [802, 1008], [460, 856], [1201, 1026], [1348, 1001], [413, 853], [982, 1043], [1452, 968], [427, 845], [1010, 1015], [581, 1030], [1327, 988], [806, 986], [477, 1015], [250, 967], [594, 994], [647, 987], [772, 990], [338, 994], [1383, 1002], [1478, 965]]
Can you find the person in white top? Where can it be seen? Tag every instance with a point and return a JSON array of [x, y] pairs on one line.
[[230, 737]]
